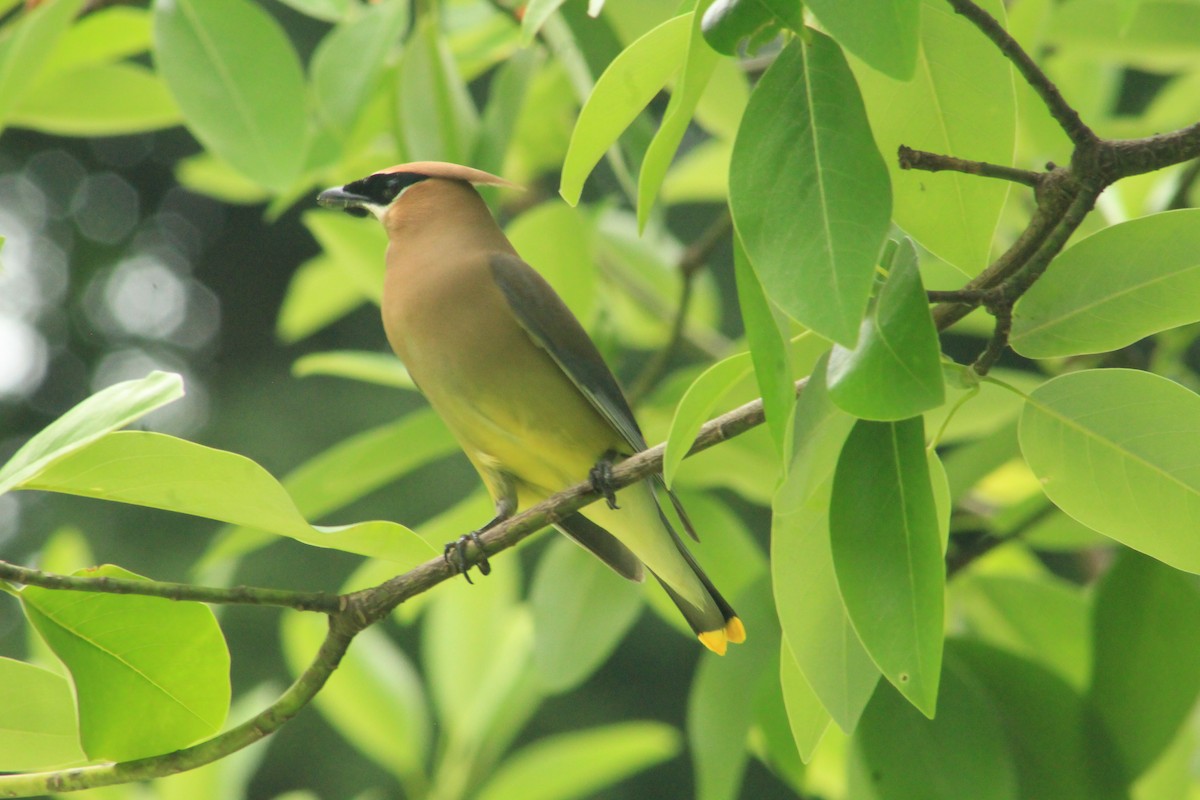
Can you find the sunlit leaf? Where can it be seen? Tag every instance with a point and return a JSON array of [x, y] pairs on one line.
[[383, 369], [809, 190], [697, 405], [38, 729], [151, 675], [1113, 288], [25, 45], [235, 75], [105, 411], [437, 119], [101, 100], [319, 294], [1097, 441], [942, 110], [806, 715], [883, 33], [626, 87], [159, 471]]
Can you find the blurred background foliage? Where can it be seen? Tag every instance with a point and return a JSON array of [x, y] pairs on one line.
[[152, 222]]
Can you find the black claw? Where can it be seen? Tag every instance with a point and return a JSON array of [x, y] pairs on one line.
[[455, 554], [601, 477]]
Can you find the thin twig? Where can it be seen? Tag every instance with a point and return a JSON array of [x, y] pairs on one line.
[[1066, 116], [936, 162], [999, 341], [241, 595]]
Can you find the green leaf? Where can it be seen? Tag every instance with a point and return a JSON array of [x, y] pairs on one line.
[[1114, 449], [319, 294], [942, 110], [37, 719], [536, 14], [354, 246], [1044, 620], [101, 100], [628, 84], [151, 675], [328, 10], [806, 715], [697, 405], [581, 611], [1147, 657], [101, 37], [555, 240], [808, 190], [437, 121], [374, 698], [698, 65], [383, 369], [105, 411], [1058, 746], [888, 556], [768, 348], [238, 81], [510, 91], [159, 471], [25, 45], [883, 33], [720, 704], [581, 764], [727, 22], [1113, 288], [962, 753], [820, 637], [206, 174], [348, 62], [895, 369]]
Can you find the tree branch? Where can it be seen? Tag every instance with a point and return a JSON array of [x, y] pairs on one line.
[[935, 162], [241, 595]]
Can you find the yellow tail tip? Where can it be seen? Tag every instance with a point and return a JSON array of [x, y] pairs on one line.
[[735, 631], [714, 640]]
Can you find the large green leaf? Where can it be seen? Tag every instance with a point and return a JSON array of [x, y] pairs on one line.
[[100, 100], [628, 84], [101, 37], [151, 675], [374, 698], [961, 753], [105, 411], [1113, 288], [238, 81], [347, 64], [1147, 657], [887, 553], [581, 611], [894, 370], [820, 637], [697, 405], [943, 110], [883, 33], [38, 729], [318, 295], [698, 66], [26, 44], [1058, 746], [159, 471], [437, 119], [579, 765], [809, 191], [1115, 449], [383, 369]]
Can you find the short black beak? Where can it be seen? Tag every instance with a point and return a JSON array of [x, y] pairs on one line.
[[338, 197]]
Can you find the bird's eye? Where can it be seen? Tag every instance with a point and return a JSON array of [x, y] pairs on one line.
[[357, 211]]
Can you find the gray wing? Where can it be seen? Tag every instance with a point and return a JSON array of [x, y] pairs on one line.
[[552, 326]]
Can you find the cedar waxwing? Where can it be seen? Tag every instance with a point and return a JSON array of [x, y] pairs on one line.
[[515, 377]]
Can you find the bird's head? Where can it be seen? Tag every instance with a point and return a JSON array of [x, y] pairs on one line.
[[379, 192]]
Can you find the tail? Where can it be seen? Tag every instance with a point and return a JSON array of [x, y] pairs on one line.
[[641, 525]]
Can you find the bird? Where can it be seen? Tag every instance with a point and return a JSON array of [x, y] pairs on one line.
[[517, 380]]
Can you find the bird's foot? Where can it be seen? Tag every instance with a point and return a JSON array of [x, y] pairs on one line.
[[455, 554], [601, 477]]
